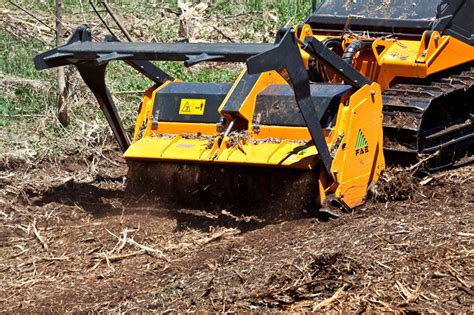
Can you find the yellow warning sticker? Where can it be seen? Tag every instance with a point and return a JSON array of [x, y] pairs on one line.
[[190, 106]]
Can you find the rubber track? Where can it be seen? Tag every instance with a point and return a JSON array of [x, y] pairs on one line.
[[423, 119]]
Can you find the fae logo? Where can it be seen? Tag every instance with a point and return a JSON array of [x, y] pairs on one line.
[[362, 146]]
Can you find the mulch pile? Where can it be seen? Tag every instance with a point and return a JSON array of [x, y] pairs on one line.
[[74, 242]]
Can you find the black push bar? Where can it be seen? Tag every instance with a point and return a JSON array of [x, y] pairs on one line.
[[92, 58]]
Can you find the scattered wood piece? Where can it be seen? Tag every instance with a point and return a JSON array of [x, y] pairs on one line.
[[128, 92], [422, 161], [115, 258], [426, 181], [218, 235], [30, 14], [466, 234], [325, 303], [36, 260], [218, 30], [116, 20], [456, 275], [409, 296], [147, 249], [39, 237]]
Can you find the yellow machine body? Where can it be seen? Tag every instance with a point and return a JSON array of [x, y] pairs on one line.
[[355, 141]]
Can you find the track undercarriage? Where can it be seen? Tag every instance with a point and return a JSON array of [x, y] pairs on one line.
[[432, 118]]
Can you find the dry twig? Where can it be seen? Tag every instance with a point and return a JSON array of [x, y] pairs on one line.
[[38, 236], [325, 303]]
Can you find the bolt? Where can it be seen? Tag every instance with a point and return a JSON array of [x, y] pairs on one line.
[[219, 127]]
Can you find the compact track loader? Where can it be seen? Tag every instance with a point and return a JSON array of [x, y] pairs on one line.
[[307, 122]]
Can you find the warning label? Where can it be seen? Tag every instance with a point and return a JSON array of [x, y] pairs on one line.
[[191, 106]]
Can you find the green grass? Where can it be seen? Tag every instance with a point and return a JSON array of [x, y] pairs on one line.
[[25, 102], [16, 57], [21, 105], [285, 9], [16, 61], [121, 77]]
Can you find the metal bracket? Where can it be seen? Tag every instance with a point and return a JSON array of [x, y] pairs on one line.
[[285, 58], [94, 77], [195, 59], [80, 47], [67, 54]]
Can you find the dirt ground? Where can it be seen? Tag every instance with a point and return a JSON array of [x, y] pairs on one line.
[[69, 242]]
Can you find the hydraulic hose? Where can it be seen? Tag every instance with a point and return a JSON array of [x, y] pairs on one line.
[[354, 48]]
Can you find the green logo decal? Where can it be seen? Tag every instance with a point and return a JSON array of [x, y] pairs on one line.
[[362, 146]]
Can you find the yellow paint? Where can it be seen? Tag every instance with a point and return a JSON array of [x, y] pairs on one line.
[[416, 59], [355, 169], [143, 112], [248, 104], [191, 106], [357, 163], [178, 128], [178, 148]]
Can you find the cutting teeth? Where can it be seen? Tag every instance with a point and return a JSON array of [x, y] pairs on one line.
[[273, 194]]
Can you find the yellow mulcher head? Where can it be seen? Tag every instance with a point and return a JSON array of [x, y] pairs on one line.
[[272, 139]]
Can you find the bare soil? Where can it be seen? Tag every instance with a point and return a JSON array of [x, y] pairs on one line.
[[73, 243], [72, 240]]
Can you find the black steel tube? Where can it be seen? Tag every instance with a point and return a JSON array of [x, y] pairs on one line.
[[88, 51]]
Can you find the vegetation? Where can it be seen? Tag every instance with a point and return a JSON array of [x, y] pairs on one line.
[[21, 103]]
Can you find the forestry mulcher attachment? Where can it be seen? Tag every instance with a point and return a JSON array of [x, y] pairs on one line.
[[308, 119]]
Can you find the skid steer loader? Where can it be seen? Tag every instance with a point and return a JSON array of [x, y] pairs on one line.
[[306, 124]]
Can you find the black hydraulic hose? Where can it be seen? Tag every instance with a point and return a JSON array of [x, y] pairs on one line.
[[332, 42], [354, 48]]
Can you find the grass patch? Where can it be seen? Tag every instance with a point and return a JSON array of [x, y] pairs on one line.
[[285, 8], [16, 57], [122, 77], [22, 103], [22, 99]]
